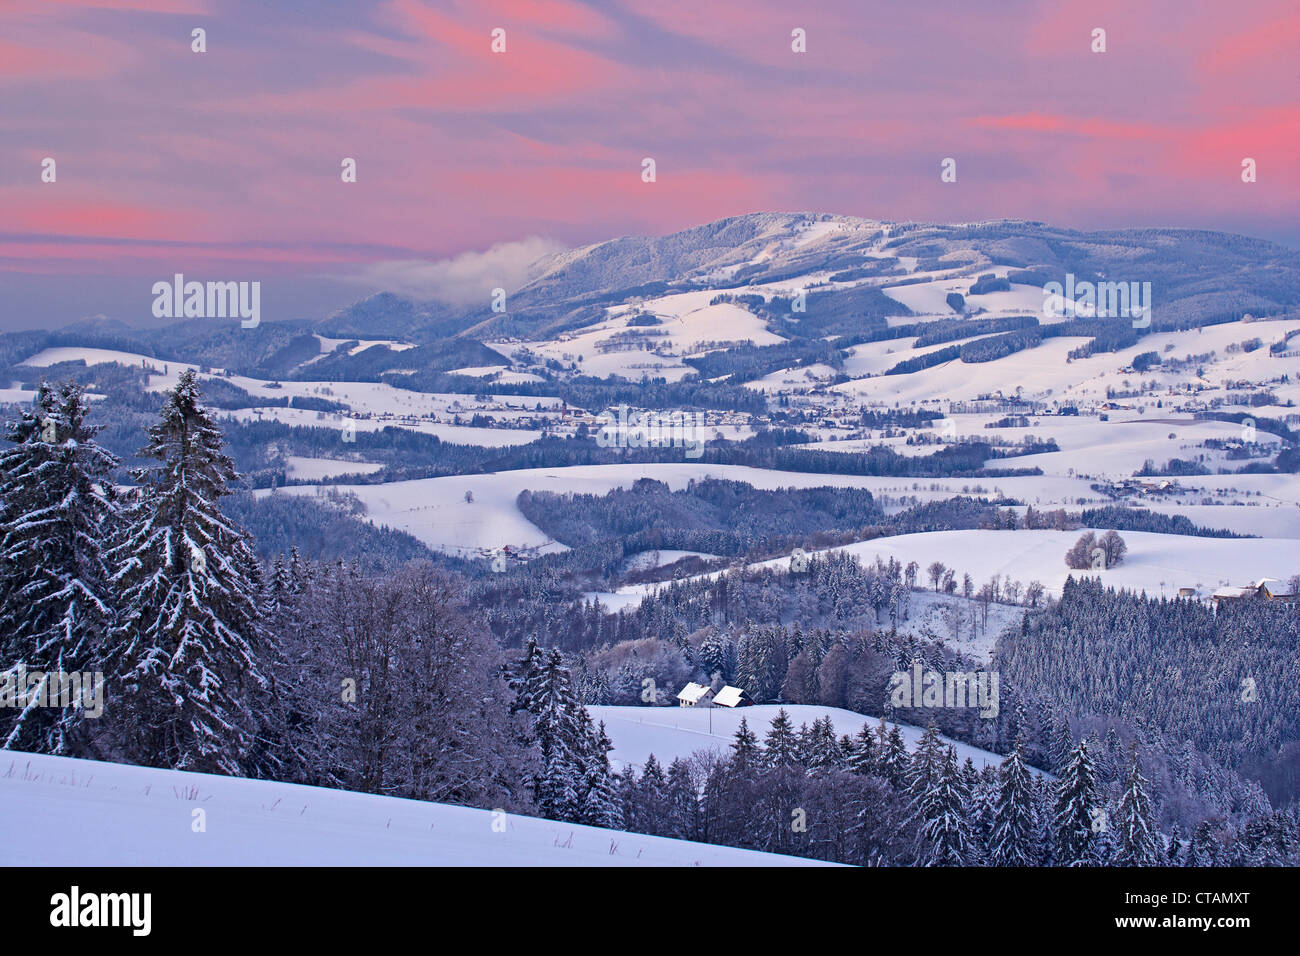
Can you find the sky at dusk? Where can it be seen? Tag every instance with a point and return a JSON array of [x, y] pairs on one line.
[[225, 165]]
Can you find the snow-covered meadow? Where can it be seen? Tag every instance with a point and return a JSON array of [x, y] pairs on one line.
[[57, 811], [671, 732]]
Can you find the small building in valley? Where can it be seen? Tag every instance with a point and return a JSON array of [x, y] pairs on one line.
[[1265, 589], [732, 697], [695, 695]]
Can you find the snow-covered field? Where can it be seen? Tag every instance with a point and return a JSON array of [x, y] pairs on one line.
[[314, 469], [1152, 561], [1155, 563], [434, 509], [456, 434], [930, 298], [374, 398], [57, 811], [328, 345], [372, 405], [669, 732], [657, 559], [497, 373]]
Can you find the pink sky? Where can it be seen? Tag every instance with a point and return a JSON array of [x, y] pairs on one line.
[[228, 162]]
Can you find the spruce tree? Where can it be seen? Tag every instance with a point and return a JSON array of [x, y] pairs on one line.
[[926, 763], [1204, 849], [1062, 743], [1013, 840], [58, 511], [893, 758], [862, 758], [524, 679], [560, 737], [1138, 843], [189, 643], [599, 801], [943, 812], [781, 744], [746, 754], [299, 571], [823, 749], [683, 801], [1073, 836], [652, 799]]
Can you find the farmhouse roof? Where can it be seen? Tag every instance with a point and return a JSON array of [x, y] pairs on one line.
[[692, 692]]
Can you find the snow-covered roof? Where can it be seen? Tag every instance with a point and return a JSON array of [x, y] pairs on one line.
[[1277, 588], [693, 692], [1233, 592], [728, 697]]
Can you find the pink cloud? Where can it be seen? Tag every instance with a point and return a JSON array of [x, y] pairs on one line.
[[460, 148]]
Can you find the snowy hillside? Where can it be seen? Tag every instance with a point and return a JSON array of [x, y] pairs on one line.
[[115, 815], [671, 732], [1154, 562]]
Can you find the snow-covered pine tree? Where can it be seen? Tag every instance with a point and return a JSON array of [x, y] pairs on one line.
[[524, 678], [943, 813], [978, 810], [562, 731], [279, 590], [924, 769], [651, 799], [781, 743], [844, 751], [1111, 764], [299, 571], [746, 754], [189, 644], [925, 764], [58, 512], [893, 758], [862, 758], [1062, 742], [1073, 836], [1137, 842], [802, 746], [683, 801], [1014, 839], [823, 748], [1204, 849], [599, 801]]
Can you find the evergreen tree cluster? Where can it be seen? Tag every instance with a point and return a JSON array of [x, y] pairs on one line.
[[866, 800], [304, 672], [1227, 680]]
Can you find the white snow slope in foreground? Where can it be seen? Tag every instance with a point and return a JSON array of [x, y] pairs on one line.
[[57, 811]]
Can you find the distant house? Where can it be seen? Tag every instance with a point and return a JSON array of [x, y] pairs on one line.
[[1265, 589], [695, 695], [732, 697], [1271, 589], [1198, 594], [1232, 593]]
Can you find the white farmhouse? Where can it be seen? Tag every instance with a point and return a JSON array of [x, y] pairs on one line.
[[695, 695]]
